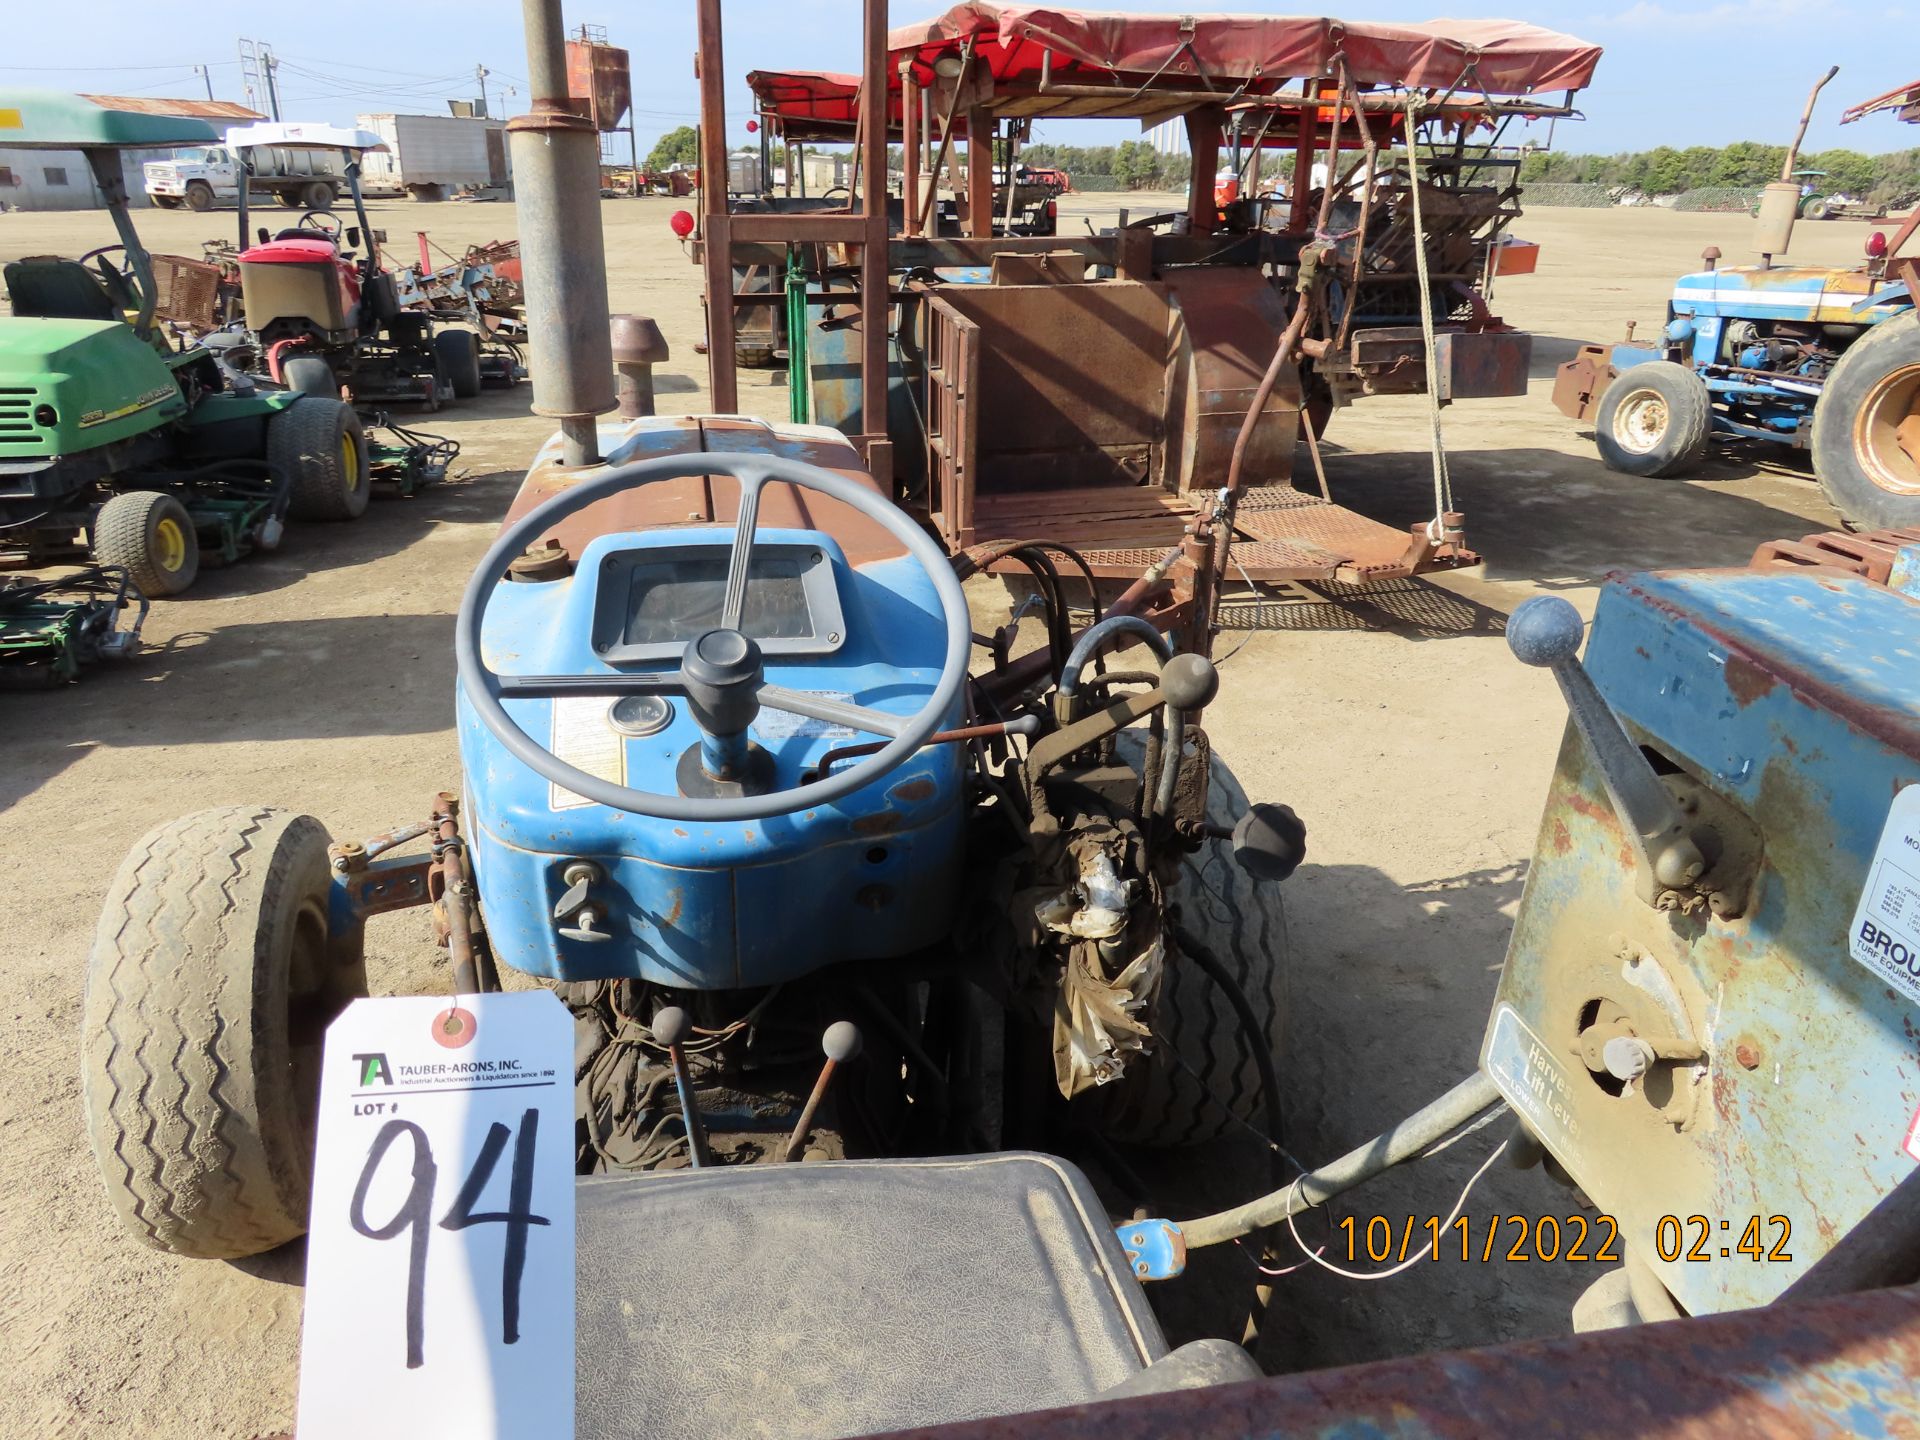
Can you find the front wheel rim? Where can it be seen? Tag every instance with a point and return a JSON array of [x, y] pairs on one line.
[[1892, 402], [170, 545], [1641, 421], [350, 458]]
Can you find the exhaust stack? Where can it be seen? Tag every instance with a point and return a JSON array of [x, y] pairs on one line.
[[556, 175]]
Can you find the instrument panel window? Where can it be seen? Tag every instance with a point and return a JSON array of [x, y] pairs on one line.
[[675, 600], [651, 602]]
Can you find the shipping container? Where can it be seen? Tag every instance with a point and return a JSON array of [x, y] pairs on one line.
[[430, 156]]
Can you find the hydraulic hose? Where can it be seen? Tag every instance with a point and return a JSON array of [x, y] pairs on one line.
[[1460, 1106], [1096, 637]]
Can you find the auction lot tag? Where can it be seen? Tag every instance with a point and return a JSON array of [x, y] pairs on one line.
[[1886, 924], [440, 1258]]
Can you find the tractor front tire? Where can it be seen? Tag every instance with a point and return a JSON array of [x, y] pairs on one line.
[[1202, 1079], [150, 534], [457, 353], [199, 195], [319, 444], [1866, 428], [209, 991], [1654, 420]]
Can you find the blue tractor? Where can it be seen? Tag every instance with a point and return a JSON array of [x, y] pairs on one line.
[[1823, 359]]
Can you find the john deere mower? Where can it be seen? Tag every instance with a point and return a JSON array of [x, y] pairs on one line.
[[156, 456]]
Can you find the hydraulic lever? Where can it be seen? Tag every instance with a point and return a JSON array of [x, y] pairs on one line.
[[1546, 630]]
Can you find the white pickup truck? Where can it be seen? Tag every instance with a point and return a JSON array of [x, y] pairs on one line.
[[198, 177]]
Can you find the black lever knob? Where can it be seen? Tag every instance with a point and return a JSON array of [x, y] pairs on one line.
[[1270, 841]]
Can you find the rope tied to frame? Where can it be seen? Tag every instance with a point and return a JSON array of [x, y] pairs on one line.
[[1442, 480]]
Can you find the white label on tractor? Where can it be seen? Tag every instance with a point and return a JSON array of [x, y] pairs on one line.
[[584, 737], [1886, 925], [440, 1258], [1532, 1078], [772, 725]]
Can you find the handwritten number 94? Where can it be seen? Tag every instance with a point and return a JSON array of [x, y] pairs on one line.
[[415, 1212]]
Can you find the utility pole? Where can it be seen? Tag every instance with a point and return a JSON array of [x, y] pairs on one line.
[[480, 73], [205, 72], [257, 64]]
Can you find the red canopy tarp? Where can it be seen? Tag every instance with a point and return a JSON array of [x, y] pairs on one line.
[[1494, 57], [821, 105]]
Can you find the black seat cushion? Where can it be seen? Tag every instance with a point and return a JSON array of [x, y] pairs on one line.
[[826, 1300], [47, 287]]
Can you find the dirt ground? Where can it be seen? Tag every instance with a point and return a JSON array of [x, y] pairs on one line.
[[321, 678]]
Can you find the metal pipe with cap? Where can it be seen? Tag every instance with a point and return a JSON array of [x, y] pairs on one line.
[[556, 173]]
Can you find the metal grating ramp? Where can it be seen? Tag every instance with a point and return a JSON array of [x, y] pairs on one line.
[[1280, 533]]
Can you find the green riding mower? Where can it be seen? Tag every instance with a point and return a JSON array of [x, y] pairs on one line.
[[158, 458]]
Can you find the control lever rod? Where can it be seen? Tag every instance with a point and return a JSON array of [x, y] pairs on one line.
[[840, 1044], [670, 1027], [1546, 631]]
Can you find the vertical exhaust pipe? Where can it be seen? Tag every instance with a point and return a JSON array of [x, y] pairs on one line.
[[556, 178]]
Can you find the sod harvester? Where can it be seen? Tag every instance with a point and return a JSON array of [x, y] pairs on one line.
[[738, 774], [158, 456]]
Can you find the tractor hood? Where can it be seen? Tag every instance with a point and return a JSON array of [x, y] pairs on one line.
[[73, 385], [1810, 293]]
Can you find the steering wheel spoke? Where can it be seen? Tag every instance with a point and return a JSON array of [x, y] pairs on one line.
[[542, 687], [833, 711], [740, 558]]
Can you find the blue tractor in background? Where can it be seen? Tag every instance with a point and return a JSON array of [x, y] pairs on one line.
[[1825, 359]]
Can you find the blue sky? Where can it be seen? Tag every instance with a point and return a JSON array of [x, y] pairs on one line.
[[1694, 72]]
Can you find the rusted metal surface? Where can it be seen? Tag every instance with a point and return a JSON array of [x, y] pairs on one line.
[[701, 500], [1482, 364], [154, 105], [1580, 382], [1840, 1367], [456, 911], [1228, 325], [1783, 715], [1872, 556]]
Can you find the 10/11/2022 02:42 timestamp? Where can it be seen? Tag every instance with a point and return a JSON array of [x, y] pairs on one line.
[[1694, 1238]]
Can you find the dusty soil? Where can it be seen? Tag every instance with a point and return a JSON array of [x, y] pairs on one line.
[[1418, 751]]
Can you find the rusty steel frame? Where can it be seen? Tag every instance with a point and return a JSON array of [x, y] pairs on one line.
[[1841, 1366], [863, 228]]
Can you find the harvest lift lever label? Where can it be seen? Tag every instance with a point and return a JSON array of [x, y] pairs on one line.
[[440, 1259]]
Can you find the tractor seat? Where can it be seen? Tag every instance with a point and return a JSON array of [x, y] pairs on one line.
[[832, 1299], [49, 287], [298, 232]]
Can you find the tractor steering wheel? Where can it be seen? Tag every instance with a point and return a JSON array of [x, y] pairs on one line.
[[720, 673], [319, 220]]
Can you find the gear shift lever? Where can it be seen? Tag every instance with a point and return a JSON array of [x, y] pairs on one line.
[[841, 1043], [1546, 630], [670, 1027]]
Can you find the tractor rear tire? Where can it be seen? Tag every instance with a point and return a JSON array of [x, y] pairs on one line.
[[1654, 420], [1203, 1078], [150, 534], [209, 991], [310, 375], [1817, 207], [458, 355], [1857, 453], [199, 195], [320, 445]]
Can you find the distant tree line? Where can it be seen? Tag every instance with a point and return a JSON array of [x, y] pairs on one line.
[[1884, 179], [1133, 163]]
